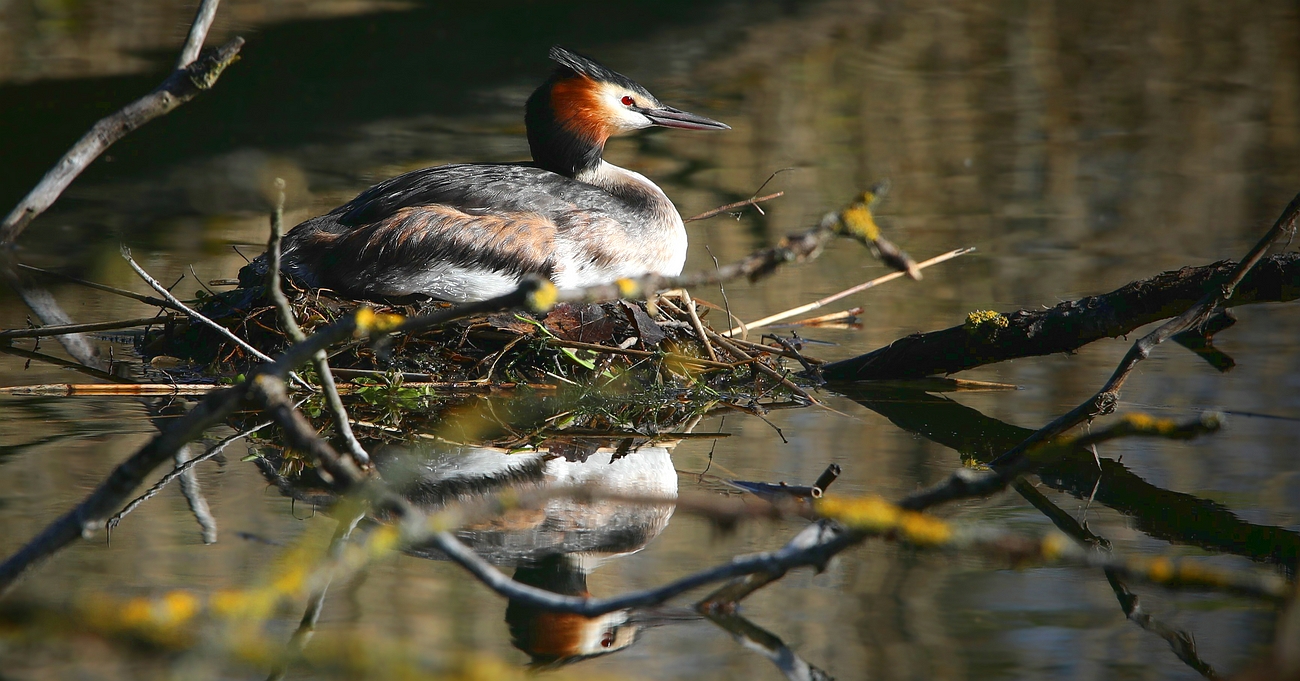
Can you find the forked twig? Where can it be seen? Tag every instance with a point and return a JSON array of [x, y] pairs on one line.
[[194, 314], [752, 201], [180, 470]]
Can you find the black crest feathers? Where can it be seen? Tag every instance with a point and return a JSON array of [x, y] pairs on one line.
[[588, 67]]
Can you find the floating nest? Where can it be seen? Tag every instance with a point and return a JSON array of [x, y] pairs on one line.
[[620, 347]]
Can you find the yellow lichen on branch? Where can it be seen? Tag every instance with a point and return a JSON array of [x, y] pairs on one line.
[[1132, 425], [874, 515], [985, 321], [1142, 424], [370, 322], [545, 296], [856, 220], [163, 621]]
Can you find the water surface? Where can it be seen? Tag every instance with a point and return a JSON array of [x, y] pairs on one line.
[[1078, 147]]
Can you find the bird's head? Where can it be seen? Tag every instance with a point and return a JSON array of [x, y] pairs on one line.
[[583, 104]]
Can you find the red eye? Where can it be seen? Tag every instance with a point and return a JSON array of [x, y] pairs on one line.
[[628, 101]]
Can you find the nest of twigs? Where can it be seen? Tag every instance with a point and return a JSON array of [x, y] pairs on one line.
[[618, 345]]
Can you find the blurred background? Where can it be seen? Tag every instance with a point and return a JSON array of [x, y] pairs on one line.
[[1077, 146]]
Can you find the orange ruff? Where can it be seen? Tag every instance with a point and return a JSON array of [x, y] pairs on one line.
[[576, 102]]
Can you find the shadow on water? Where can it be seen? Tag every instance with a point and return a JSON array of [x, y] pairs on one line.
[[306, 81], [990, 128], [1161, 513]]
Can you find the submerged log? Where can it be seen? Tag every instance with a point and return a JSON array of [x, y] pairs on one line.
[[989, 337]]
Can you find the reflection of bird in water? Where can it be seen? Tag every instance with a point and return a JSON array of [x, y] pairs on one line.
[[588, 530], [554, 638], [472, 231], [556, 545]]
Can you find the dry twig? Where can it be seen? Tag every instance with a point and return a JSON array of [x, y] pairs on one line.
[[58, 330], [795, 311], [332, 400], [752, 201]]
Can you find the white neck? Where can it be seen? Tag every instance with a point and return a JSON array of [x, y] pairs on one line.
[[659, 218]]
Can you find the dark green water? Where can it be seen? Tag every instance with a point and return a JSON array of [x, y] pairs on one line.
[[1078, 147]]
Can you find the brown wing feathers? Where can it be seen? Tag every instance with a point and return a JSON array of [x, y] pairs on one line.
[[409, 239], [506, 218]]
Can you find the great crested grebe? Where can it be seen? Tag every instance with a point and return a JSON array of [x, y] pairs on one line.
[[471, 231]]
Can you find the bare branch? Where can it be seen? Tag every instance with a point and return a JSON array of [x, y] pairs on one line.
[[180, 87], [203, 17], [771, 319], [179, 471], [988, 337], [753, 201], [194, 314], [965, 483], [321, 362]]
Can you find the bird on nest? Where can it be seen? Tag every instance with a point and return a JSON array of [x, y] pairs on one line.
[[473, 231]]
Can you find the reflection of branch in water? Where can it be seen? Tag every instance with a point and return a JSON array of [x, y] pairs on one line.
[[47, 309], [1161, 513], [849, 521], [767, 644], [1180, 641], [60, 362], [965, 483], [193, 494], [1201, 341]]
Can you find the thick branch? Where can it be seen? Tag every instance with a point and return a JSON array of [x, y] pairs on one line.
[[1069, 325], [1194, 318]]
